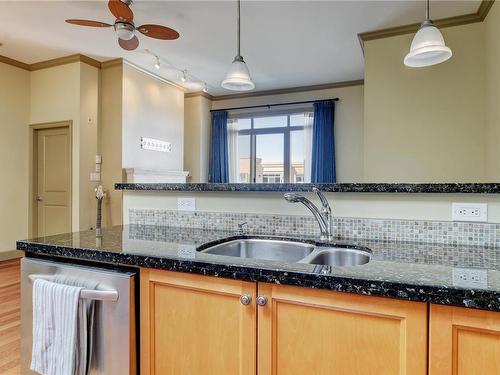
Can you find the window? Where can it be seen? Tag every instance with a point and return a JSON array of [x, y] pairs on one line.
[[271, 148]]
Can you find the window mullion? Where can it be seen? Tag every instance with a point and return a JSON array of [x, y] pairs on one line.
[[286, 156]]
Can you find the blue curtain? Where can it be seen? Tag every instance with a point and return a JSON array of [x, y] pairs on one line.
[[323, 147], [219, 167]]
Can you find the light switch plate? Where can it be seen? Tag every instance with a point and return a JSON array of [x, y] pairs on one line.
[[95, 176], [469, 212], [186, 204]]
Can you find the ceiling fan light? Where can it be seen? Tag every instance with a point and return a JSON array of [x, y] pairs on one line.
[[238, 77], [124, 31], [427, 47]]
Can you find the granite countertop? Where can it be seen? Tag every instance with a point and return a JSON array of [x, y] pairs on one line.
[[473, 188], [404, 270]]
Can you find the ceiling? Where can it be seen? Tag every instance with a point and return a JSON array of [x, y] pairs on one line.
[[285, 43]]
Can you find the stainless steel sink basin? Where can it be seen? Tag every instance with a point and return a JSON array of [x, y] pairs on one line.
[[290, 251], [338, 256], [283, 251]]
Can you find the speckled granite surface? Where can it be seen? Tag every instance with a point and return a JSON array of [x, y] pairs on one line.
[[476, 188], [405, 270]]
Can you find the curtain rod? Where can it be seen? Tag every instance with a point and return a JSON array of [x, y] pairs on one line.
[[270, 105]]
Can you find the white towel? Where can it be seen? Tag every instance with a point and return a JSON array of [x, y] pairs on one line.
[[62, 328]]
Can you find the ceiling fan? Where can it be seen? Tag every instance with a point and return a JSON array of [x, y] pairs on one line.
[[125, 27]]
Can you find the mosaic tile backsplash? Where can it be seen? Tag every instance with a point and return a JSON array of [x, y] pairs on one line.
[[435, 232]]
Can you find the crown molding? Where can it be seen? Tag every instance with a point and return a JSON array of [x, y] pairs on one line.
[[111, 63], [17, 64], [326, 86], [56, 62], [464, 19], [198, 93], [63, 61]]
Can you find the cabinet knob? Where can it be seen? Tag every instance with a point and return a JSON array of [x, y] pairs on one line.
[[262, 300], [245, 299]]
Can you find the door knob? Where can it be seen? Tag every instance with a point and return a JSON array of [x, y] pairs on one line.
[[262, 300], [39, 198], [245, 299]]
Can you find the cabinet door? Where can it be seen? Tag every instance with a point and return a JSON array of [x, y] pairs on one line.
[[463, 341], [307, 331], [193, 324]]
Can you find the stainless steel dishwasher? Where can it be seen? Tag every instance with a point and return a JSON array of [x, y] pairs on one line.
[[114, 345]]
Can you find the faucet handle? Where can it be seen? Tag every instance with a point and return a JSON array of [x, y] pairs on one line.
[[241, 226], [322, 198]]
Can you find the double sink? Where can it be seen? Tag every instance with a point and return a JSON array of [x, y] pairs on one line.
[[291, 252]]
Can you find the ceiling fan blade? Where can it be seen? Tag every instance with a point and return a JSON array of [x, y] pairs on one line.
[[120, 10], [129, 45], [88, 23], [158, 32]]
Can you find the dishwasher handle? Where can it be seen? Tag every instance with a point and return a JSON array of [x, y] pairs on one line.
[[97, 295]]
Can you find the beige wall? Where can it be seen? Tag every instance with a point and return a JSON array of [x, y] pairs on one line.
[[196, 137], [55, 96], [89, 125], [155, 109], [426, 124], [348, 123], [14, 119], [110, 141], [492, 96], [70, 92]]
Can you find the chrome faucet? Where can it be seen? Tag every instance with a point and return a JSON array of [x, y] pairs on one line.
[[323, 216]]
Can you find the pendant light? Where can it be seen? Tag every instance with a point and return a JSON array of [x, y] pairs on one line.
[[428, 47], [238, 77]]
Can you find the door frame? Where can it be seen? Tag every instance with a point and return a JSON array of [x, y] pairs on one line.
[[33, 171]]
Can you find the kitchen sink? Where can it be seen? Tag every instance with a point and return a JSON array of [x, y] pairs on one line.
[[338, 256], [290, 251], [283, 251]]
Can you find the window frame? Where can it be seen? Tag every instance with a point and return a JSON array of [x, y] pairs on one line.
[[285, 130]]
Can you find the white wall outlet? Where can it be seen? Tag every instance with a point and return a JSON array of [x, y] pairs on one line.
[[186, 251], [98, 159], [186, 204], [469, 212], [155, 145], [470, 277], [95, 176]]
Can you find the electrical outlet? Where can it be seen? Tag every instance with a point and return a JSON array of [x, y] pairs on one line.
[[469, 212], [470, 277], [186, 204], [186, 251]]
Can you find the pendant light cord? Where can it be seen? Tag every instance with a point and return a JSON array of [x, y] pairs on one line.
[[239, 10], [427, 6]]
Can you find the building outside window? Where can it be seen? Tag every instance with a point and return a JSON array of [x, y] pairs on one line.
[[270, 148]]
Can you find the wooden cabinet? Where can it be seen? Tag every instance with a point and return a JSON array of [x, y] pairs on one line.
[[196, 325], [307, 331], [463, 341]]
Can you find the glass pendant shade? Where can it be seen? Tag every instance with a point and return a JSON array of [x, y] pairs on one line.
[[238, 76], [427, 48]]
